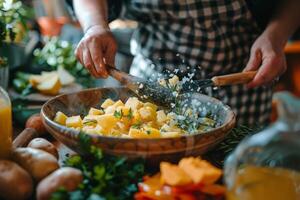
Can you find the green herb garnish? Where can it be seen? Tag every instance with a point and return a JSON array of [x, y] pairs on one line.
[[90, 122], [118, 114], [136, 125], [105, 176], [148, 132], [130, 114]]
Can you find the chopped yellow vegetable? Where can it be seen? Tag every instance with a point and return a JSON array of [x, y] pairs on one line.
[[174, 80], [106, 103], [94, 111], [133, 103], [161, 116], [170, 134], [151, 105], [126, 111], [50, 86], [110, 110], [200, 171], [144, 133], [107, 122], [173, 175], [93, 130], [147, 113], [134, 119], [74, 122], [118, 103], [60, 118]]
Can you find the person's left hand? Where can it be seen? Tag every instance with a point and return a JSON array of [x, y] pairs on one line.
[[267, 56]]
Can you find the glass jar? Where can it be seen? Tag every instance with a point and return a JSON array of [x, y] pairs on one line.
[[267, 165], [4, 73], [5, 125]]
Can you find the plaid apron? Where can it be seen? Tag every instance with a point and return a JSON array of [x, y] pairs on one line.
[[207, 37]]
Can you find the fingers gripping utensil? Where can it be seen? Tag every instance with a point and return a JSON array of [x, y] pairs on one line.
[[230, 79], [146, 89]]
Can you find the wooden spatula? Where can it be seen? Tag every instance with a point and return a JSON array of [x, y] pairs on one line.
[[145, 89], [230, 79]]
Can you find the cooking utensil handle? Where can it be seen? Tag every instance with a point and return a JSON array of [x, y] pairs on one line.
[[25, 137], [120, 76], [233, 79]]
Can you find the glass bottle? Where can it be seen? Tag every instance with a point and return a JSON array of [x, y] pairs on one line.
[[267, 165], [5, 125]]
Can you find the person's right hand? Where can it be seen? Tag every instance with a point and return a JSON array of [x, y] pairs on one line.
[[97, 48]]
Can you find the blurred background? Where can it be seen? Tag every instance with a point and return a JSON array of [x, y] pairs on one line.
[[41, 35]]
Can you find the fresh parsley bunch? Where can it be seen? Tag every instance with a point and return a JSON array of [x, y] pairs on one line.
[[106, 177]]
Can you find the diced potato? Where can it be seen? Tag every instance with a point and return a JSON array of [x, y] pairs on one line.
[[118, 103], [171, 116], [151, 105], [106, 103], [125, 111], [136, 133], [136, 118], [174, 80], [152, 132], [162, 82], [122, 126], [152, 124], [116, 132], [74, 122], [95, 111], [146, 133], [110, 110], [170, 134], [93, 130], [107, 122], [147, 114], [60, 118], [90, 120], [133, 103], [161, 117]]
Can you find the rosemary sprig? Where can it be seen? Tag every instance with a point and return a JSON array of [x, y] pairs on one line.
[[222, 150]]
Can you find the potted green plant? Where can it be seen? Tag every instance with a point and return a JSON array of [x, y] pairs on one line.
[[14, 32]]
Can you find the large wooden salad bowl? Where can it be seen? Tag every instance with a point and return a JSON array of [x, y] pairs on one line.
[[157, 149]]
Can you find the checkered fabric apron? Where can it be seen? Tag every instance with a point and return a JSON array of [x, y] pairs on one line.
[[208, 37]]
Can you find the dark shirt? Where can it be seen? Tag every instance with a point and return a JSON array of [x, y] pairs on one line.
[[263, 10]]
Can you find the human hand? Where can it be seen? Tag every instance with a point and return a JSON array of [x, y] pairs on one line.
[[97, 48], [267, 56]]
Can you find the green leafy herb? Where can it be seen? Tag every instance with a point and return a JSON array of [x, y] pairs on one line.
[[223, 149], [118, 114], [148, 132], [136, 125], [106, 177], [130, 114], [90, 122]]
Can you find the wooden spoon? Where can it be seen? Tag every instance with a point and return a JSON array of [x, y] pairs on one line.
[[145, 89]]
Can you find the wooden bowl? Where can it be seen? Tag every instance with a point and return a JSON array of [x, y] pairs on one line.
[[154, 150]]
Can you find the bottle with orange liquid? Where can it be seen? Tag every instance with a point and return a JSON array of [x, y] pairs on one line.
[[5, 125], [266, 166]]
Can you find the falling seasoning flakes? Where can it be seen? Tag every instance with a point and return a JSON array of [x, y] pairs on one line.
[[141, 86], [215, 88]]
